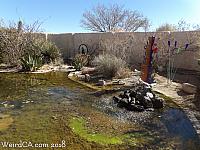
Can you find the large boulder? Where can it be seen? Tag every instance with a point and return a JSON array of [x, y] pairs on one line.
[[189, 88]]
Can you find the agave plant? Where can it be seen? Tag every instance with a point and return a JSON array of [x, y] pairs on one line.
[[31, 62]]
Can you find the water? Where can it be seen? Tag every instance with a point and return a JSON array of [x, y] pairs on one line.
[[32, 100]]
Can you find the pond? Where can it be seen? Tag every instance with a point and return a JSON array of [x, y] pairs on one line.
[[50, 111]]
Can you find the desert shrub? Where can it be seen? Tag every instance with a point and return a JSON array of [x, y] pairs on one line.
[[123, 73], [80, 60], [19, 41], [109, 65], [31, 62], [49, 51]]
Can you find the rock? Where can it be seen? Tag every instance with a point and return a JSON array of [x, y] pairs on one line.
[[149, 109], [116, 99], [88, 70], [126, 95], [133, 100], [134, 107], [133, 94], [81, 77], [121, 95], [102, 82], [189, 88], [87, 77], [71, 74], [150, 95], [146, 102], [158, 103], [77, 73], [70, 67], [118, 82], [139, 99], [122, 103]]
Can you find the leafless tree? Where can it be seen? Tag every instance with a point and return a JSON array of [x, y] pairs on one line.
[[166, 27], [113, 18]]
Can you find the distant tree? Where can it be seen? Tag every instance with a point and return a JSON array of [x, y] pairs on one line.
[[166, 27], [113, 18]]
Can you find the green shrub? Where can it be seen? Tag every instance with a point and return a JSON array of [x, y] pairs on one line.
[[80, 60], [109, 65], [50, 51], [31, 62]]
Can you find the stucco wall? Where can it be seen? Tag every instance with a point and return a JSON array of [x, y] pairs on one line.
[[64, 42], [131, 44]]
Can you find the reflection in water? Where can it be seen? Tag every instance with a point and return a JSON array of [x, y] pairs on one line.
[[177, 123]]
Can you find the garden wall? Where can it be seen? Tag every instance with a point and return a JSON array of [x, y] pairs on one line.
[[130, 45]]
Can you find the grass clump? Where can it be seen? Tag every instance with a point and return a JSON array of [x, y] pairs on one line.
[[109, 65]]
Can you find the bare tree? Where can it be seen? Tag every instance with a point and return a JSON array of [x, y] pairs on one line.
[[113, 18], [166, 27]]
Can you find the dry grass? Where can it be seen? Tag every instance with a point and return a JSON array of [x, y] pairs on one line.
[[109, 65]]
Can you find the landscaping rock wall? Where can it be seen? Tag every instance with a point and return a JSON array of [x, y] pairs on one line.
[[130, 45]]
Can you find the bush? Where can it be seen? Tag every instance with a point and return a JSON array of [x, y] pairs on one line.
[[49, 51], [31, 62], [18, 42], [80, 60], [109, 65]]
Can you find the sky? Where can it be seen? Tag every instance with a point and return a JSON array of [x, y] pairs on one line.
[[63, 16]]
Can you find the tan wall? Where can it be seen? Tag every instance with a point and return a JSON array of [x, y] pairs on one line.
[[65, 43], [131, 44]]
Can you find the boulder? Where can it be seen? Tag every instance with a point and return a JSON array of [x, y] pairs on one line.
[[158, 103], [122, 103], [189, 88], [146, 102]]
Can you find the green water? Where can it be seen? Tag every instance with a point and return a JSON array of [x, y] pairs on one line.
[[51, 110]]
